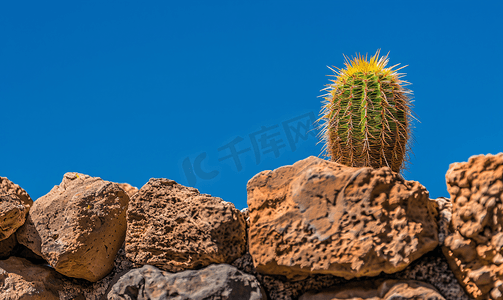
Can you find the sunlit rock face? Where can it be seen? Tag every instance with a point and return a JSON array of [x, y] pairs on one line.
[[474, 248], [320, 217], [78, 227], [15, 204]]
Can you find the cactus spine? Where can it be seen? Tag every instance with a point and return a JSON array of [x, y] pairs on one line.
[[366, 115]]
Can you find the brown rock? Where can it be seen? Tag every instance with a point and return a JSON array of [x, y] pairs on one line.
[[129, 189], [176, 228], [14, 206], [474, 246], [97, 290], [378, 290], [7, 187], [317, 216], [78, 227], [20, 279]]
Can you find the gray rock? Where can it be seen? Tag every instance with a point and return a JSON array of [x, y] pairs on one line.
[[444, 216], [219, 281]]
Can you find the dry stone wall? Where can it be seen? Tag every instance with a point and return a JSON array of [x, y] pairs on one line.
[[315, 230]]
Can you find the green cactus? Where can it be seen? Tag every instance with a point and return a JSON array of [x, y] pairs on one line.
[[366, 115]]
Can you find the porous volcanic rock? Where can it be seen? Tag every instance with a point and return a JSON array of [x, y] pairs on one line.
[[474, 249], [432, 268], [176, 228], [14, 206], [386, 290], [215, 282], [318, 216], [78, 227], [20, 279]]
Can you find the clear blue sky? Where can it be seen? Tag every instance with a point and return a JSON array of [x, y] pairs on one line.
[[127, 91]]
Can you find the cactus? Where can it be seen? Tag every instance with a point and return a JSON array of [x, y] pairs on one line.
[[366, 115]]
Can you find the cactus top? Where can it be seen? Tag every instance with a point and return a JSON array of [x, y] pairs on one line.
[[366, 114], [361, 64]]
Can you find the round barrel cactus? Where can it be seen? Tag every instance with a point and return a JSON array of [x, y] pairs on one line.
[[365, 118]]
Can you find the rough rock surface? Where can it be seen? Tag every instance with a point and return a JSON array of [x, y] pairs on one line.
[[175, 228], [78, 227], [129, 189], [444, 218], [20, 279], [14, 206], [386, 290], [99, 290], [474, 248], [317, 216], [431, 268], [7, 246], [245, 213], [215, 282]]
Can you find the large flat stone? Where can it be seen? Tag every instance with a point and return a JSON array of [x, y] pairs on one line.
[[319, 217]]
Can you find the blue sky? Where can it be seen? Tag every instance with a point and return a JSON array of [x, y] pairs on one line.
[[128, 91]]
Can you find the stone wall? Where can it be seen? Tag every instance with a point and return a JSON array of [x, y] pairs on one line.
[[313, 230]]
